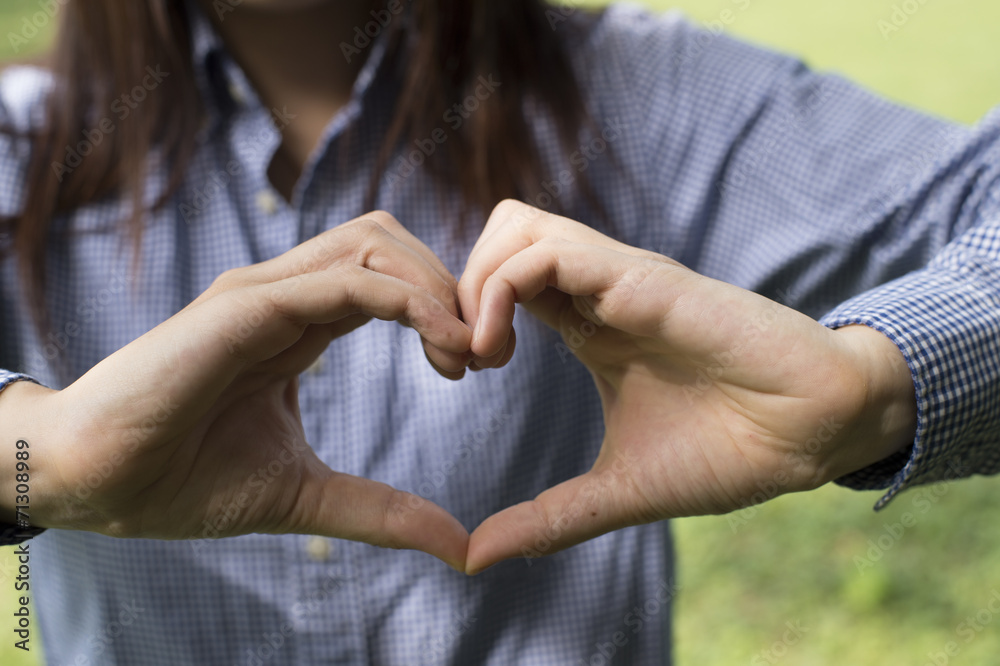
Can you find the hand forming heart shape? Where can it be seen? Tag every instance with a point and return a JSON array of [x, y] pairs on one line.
[[710, 393]]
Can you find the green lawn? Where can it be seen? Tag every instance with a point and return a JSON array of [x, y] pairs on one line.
[[804, 559]]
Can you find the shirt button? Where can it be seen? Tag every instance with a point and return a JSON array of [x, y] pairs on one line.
[[267, 202], [318, 548]]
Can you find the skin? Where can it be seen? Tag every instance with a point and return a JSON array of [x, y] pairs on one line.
[[710, 393]]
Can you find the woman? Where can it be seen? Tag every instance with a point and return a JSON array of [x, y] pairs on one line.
[[190, 242]]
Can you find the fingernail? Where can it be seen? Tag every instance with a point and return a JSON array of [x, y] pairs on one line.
[[456, 566], [476, 572]]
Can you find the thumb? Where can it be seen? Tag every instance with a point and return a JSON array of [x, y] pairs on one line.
[[572, 512], [349, 507]]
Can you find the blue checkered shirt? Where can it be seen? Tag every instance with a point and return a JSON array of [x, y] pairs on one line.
[[741, 163]]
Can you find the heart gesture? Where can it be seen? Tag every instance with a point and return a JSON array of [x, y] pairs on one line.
[[713, 397], [711, 394]]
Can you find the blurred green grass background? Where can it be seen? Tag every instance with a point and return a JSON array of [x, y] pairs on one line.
[[797, 559]]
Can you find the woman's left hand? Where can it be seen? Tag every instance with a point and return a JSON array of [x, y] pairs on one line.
[[714, 397]]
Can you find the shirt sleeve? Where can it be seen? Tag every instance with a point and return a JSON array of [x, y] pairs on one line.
[[812, 191], [946, 321]]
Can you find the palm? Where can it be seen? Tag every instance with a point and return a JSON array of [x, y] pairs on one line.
[[240, 468], [719, 427]]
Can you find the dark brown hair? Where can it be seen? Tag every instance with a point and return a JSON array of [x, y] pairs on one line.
[[440, 48]]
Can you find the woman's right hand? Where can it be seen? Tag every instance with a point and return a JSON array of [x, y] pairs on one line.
[[179, 424]]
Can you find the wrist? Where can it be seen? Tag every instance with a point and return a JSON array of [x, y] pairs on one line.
[[25, 495], [887, 420]]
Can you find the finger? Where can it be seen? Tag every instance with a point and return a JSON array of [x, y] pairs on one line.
[[512, 227], [449, 366], [342, 241], [217, 340], [490, 250], [349, 507], [567, 514], [398, 253], [314, 341], [484, 362], [394, 227], [502, 357], [572, 268], [339, 291], [508, 350], [376, 241]]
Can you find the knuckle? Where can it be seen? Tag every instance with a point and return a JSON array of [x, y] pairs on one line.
[[517, 213], [368, 227], [381, 219], [366, 235], [508, 207], [227, 280], [370, 236]]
